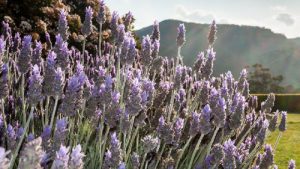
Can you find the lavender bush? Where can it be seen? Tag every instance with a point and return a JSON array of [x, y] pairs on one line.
[[126, 108]]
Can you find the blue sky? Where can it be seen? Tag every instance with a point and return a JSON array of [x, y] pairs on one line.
[[282, 16]]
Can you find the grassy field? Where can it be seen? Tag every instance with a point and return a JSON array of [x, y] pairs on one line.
[[289, 144]]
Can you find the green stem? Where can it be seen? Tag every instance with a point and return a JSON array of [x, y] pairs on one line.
[[47, 110], [131, 143], [277, 141], [143, 160], [14, 156], [54, 111], [104, 145], [159, 155], [100, 39], [23, 98], [195, 151], [3, 113], [212, 140], [182, 152], [83, 51]]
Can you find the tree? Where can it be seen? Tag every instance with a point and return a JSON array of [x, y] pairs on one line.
[[262, 81]]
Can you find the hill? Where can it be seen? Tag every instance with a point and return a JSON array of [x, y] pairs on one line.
[[236, 47]]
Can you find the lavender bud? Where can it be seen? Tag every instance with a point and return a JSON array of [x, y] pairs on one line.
[[128, 20], [48, 40], [212, 33], [155, 49], [101, 18], [2, 47], [31, 155], [194, 125], [178, 126], [149, 143], [204, 93], [146, 57], [16, 42], [217, 154], [37, 54], [220, 113], [30, 137], [261, 135], [268, 157], [292, 164], [229, 161], [121, 34], [60, 133], [24, 59], [116, 151], [35, 86], [62, 158], [63, 24], [273, 122], [114, 24], [87, 26], [132, 52], [48, 75], [207, 69], [135, 160], [205, 126], [4, 162], [155, 32], [282, 125], [200, 62], [6, 29], [181, 35], [268, 104], [76, 158], [4, 90]]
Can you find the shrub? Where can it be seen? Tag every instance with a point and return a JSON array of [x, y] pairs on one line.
[[125, 108]]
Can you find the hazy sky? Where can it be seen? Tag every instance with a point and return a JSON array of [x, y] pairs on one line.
[[282, 16]]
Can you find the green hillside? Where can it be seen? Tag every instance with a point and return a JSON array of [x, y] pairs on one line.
[[236, 47]]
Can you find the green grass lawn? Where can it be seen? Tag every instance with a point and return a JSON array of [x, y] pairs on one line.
[[289, 144]]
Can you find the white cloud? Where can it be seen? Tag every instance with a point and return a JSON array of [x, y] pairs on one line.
[[285, 18], [278, 8], [193, 15]]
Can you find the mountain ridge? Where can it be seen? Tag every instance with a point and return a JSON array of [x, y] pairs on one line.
[[237, 46]]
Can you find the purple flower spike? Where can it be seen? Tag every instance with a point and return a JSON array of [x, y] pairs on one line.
[[292, 164], [282, 125], [102, 13], [114, 24], [35, 86], [2, 47], [24, 60], [212, 33], [4, 90], [76, 158], [128, 20], [181, 35], [62, 158], [205, 126], [155, 32], [87, 26], [268, 157], [63, 24], [229, 161]]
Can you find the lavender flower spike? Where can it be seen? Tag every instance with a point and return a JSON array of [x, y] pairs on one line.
[[101, 14], [63, 24], [4, 162], [114, 24], [268, 157], [205, 126], [2, 47], [282, 125], [230, 152], [181, 35], [292, 164], [155, 33], [87, 27], [32, 154], [35, 86], [76, 158], [62, 158], [212, 33], [4, 90], [24, 59]]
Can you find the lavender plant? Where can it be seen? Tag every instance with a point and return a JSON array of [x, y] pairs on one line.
[[125, 108]]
